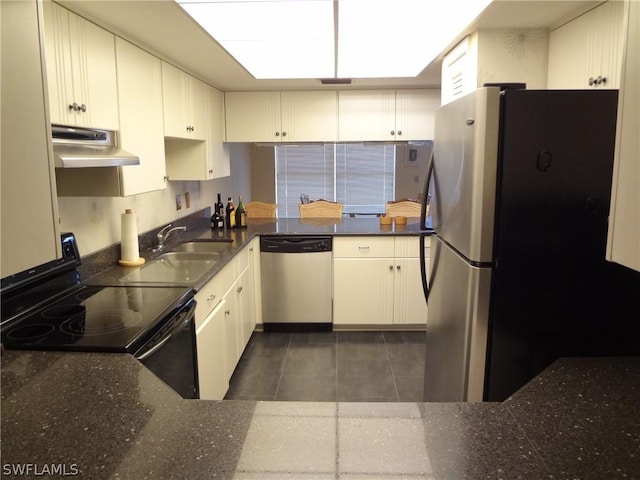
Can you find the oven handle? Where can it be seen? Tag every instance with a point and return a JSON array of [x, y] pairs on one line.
[[187, 317]]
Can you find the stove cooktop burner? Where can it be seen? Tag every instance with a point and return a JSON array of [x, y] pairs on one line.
[[94, 318]]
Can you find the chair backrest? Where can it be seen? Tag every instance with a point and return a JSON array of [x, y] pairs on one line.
[[260, 210], [406, 208], [320, 209]]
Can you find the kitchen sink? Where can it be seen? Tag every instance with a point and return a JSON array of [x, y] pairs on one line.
[[203, 247], [183, 268]]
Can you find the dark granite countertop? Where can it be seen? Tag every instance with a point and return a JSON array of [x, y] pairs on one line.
[[107, 272], [107, 416]]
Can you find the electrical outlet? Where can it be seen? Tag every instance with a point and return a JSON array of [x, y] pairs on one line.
[[187, 200], [178, 202]]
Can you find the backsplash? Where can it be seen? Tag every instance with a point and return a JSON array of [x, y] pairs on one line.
[[95, 221]]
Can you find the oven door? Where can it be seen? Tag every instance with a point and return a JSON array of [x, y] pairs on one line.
[[171, 352]]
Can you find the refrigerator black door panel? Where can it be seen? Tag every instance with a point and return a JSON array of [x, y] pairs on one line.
[[554, 185], [456, 327]]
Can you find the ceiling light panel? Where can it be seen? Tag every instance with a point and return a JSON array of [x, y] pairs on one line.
[[272, 39], [398, 38]]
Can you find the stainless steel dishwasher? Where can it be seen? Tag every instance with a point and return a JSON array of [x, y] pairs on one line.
[[296, 282]]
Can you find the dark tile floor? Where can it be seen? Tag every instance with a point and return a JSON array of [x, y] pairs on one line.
[[331, 366]]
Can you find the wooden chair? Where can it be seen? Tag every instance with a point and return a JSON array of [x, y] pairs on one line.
[[406, 208], [260, 210], [321, 209]]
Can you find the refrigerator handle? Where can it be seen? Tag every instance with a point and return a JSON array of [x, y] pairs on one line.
[[423, 218], [423, 269], [425, 193]]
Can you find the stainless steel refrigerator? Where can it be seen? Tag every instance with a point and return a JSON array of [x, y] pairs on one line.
[[519, 190]]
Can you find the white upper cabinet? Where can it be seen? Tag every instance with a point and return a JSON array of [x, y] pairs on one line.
[[415, 113], [29, 233], [141, 133], [387, 115], [187, 159], [185, 104], [303, 116], [81, 70], [623, 244], [587, 51], [367, 115], [140, 104]]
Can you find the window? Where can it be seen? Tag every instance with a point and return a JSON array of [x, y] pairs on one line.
[[362, 177]]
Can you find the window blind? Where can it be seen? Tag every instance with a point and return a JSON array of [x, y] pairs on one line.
[[362, 177]]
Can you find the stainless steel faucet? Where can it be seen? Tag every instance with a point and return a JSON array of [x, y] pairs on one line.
[[163, 234]]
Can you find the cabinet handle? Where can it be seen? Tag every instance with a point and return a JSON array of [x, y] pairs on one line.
[[227, 312], [399, 132], [211, 297], [363, 248], [277, 134], [240, 289], [392, 133], [83, 108], [74, 106], [391, 267], [284, 134], [210, 172], [398, 267]]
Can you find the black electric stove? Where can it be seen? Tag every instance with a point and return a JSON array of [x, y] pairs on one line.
[[107, 319], [48, 308]]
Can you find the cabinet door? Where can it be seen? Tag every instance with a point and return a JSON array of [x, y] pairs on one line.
[[197, 106], [366, 115], [218, 155], [605, 45], [568, 55], [246, 321], [309, 116], [81, 70], [253, 116], [174, 94], [362, 291], [624, 222], [140, 103], [231, 332], [212, 376], [410, 306], [97, 64], [27, 174], [58, 62], [415, 113]]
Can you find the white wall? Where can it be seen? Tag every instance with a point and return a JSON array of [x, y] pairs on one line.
[[96, 220]]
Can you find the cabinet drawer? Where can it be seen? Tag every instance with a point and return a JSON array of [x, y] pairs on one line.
[[207, 298], [358, 247]]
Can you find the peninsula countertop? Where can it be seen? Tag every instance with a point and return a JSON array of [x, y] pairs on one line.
[[107, 416]]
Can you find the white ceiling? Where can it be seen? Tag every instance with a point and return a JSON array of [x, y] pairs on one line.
[[163, 28]]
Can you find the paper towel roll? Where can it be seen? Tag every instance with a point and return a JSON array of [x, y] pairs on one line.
[[129, 250]]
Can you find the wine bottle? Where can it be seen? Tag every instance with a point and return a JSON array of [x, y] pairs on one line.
[[230, 216], [217, 220], [241, 214], [220, 209]]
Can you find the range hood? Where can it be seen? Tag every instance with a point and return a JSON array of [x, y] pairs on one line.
[[75, 147]]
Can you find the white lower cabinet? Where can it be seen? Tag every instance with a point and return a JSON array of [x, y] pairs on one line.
[[224, 324], [377, 281], [210, 343]]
